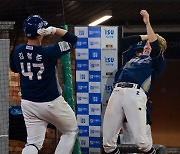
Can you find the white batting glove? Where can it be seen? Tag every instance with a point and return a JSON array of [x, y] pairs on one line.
[[47, 31]]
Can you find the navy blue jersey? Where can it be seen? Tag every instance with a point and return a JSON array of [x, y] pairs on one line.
[[37, 68], [139, 69]]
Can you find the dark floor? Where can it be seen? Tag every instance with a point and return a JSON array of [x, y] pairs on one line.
[[160, 149]]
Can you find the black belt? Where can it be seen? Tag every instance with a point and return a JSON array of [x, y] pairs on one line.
[[128, 85]]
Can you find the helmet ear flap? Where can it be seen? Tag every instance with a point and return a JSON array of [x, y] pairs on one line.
[[32, 24]]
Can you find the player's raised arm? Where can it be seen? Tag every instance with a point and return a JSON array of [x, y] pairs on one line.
[[150, 32], [64, 34], [144, 37], [152, 37]]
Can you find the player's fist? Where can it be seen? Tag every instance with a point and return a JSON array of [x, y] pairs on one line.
[[145, 16], [47, 31]]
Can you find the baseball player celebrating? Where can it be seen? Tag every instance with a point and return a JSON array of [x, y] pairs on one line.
[[42, 100], [126, 136], [129, 96]]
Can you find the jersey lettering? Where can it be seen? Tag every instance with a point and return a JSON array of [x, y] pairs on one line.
[[41, 70], [137, 92], [29, 73], [21, 56], [139, 60], [38, 57], [29, 55]]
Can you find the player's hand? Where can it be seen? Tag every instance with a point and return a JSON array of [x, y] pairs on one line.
[[47, 31], [145, 16]]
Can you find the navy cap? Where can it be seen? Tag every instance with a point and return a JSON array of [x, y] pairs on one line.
[[139, 46]]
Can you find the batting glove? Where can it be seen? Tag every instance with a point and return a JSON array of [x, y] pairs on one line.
[[47, 31]]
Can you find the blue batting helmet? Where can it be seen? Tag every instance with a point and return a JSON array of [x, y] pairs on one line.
[[32, 24]]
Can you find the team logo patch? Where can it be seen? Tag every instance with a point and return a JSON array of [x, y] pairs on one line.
[[64, 46]]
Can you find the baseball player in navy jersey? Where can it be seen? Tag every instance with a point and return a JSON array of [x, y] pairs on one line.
[[129, 96], [42, 100]]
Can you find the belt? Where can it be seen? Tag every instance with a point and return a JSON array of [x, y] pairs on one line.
[[128, 85]]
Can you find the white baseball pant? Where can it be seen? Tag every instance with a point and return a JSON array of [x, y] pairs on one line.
[[126, 136], [57, 112], [129, 102]]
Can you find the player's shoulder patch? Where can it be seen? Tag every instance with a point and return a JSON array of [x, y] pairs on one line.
[[64, 46]]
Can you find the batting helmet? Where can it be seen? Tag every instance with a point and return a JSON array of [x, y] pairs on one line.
[[32, 24]]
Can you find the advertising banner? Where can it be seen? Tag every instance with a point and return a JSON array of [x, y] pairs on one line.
[[96, 63], [109, 62]]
